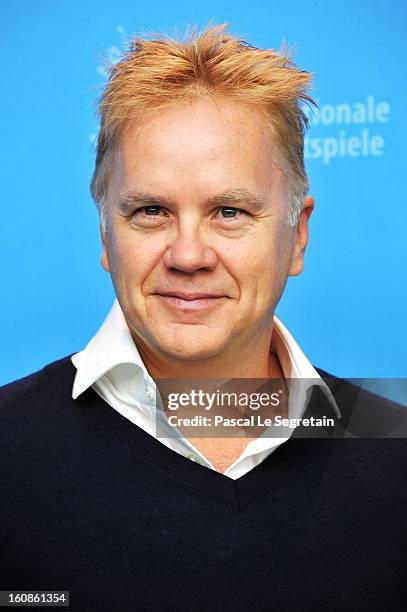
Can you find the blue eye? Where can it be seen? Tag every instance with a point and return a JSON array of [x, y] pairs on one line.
[[152, 210], [229, 213]]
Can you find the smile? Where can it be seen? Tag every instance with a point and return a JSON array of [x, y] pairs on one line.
[[190, 302]]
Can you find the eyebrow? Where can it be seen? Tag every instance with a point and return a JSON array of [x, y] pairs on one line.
[[233, 197]]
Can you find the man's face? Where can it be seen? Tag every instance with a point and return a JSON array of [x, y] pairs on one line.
[[197, 240]]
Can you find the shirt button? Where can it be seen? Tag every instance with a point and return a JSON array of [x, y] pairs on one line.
[[193, 458], [150, 394]]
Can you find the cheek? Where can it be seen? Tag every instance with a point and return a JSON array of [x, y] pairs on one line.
[[250, 265], [133, 259], [267, 271]]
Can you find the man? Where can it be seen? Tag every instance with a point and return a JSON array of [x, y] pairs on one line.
[[201, 189]]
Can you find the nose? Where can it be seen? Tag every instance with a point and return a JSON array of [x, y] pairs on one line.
[[188, 251]]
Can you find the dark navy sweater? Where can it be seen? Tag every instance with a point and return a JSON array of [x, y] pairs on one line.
[[92, 504]]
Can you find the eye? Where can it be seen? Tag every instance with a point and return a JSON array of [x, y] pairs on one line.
[[152, 215], [153, 211], [228, 212], [150, 211]]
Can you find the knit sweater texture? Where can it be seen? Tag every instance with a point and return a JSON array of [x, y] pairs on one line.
[[92, 504]]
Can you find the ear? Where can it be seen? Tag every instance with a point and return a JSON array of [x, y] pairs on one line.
[[104, 260], [301, 238]]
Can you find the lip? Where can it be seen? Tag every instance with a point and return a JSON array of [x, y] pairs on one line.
[[188, 302], [189, 297]]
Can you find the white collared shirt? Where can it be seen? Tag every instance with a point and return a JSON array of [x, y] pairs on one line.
[[111, 364]]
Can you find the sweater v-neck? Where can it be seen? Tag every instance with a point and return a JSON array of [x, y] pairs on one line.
[[201, 481]]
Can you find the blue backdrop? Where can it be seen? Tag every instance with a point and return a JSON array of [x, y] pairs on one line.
[[348, 308]]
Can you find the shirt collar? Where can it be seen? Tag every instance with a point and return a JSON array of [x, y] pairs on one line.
[[113, 345], [296, 365]]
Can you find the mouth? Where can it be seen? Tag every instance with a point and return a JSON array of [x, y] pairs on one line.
[[190, 301]]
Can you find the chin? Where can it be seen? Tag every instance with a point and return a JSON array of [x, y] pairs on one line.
[[192, 343]]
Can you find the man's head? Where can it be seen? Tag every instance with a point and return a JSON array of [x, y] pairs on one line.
[[201, 187]]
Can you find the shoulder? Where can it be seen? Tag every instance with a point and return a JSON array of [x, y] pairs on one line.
[[36, 414], [41, 388], [40, 427], [364, 413], [367, 449]]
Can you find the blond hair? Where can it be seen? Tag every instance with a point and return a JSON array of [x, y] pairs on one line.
[[158, 71]]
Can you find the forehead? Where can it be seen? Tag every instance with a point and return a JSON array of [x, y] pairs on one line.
[[201, 138], [200, 119], [193, 153]]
